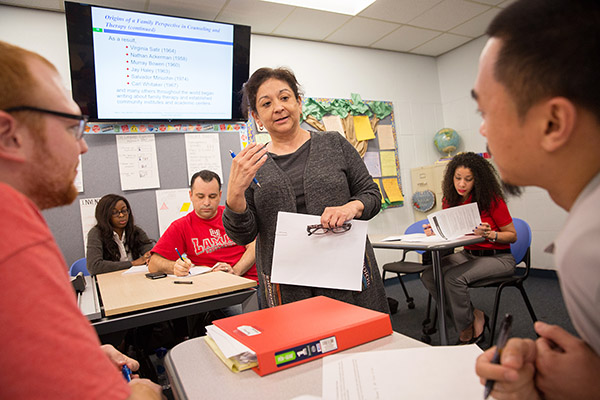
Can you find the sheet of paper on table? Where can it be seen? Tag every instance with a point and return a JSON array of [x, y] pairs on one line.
[[440, 372]]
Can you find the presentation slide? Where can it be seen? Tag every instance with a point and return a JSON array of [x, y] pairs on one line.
[[159, 67]]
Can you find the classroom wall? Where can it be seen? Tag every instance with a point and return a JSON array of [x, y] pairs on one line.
[[457, 71], [428, 94]]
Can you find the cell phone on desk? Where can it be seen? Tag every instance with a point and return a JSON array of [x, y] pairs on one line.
[[155, 275]]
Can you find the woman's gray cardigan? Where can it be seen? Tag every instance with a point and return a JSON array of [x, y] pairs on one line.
[[334, 175]]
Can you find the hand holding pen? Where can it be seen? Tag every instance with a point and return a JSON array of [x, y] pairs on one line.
[[502, 339], [181, 266], [253, 179]]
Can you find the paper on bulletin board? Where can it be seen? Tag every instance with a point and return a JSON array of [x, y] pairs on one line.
[[388, 163], [386, 137], [380, 191], [392, 190], [372, 162], [203, 152], [87, 208], [362, 128], [79, 177], [138, 165], [172, 204], [334, 123]]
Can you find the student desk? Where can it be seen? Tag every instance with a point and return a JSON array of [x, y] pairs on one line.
[[195, 372], [435, 249], [133, 300]]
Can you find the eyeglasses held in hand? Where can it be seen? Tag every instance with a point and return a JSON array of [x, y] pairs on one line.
[[116, 213], [320, 230], [76, 131]]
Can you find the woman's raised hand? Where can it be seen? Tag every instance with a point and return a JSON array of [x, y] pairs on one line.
[[243, 169]]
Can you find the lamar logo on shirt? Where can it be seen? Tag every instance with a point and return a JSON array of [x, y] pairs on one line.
[[214, 243]]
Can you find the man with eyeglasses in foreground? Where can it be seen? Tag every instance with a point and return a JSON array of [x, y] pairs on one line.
[[50, 351]]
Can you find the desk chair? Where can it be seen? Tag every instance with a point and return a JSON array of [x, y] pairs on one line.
[[79, 266], [521, 251], [407, 267]]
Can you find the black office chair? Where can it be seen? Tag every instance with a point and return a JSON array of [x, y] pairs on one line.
[[521, 250], [407, 267]]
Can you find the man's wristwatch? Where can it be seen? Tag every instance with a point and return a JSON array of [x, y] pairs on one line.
[[495, 238]]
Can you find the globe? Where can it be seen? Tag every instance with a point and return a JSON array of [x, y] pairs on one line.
[[446, 140]]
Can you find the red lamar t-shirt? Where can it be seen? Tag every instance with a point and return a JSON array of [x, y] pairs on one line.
[[496, 216], [49, 349], [203, 240]]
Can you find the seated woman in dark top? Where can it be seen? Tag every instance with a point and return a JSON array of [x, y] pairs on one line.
[[115, 242]]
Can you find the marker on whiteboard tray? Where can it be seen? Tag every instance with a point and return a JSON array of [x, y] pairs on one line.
[[253, 179]]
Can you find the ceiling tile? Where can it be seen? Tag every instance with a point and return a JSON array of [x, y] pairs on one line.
[[441, 44], [135, 5], [490, 2], [448, 14], [361, 31], [310, 24], [397, 11], [201, 9], [506, 3], [252, 13], [476, 26], [55, 5], [405, 38]]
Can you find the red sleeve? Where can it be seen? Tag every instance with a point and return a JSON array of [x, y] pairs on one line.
[[172, 238], [49, 349], [500, 214]]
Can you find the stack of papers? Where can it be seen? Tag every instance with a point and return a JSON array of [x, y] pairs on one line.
[[449, 224], [234, 354]]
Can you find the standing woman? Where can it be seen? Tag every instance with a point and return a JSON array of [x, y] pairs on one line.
[[115, 242], [317, 173], [469, 178]]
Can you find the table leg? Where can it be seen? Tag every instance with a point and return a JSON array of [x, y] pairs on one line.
[[438, 278]]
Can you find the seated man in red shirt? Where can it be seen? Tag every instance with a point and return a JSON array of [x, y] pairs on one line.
[[201, 236]]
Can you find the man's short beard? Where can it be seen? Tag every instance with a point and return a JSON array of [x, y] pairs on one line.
[[511, 190]]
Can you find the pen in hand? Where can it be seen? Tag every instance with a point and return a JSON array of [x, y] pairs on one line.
[[253, 179], [502, 339], [179, 254], [126, 372], [180, 257]]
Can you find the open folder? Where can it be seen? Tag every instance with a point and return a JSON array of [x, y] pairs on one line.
[[294, 333]]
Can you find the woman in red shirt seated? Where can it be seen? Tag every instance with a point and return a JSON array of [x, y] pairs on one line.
[[470, 178]]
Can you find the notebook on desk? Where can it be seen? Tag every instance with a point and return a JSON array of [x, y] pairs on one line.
[[295, 333]]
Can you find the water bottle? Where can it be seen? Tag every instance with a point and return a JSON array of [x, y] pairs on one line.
[[161, 373]]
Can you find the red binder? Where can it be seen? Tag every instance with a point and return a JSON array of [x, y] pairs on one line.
[[295, 333]]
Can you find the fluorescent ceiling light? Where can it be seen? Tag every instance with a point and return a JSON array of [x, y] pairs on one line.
[[350, 7]]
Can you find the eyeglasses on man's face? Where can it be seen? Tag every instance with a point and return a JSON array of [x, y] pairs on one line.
[[76, 131], [320, 230], [116, 213]]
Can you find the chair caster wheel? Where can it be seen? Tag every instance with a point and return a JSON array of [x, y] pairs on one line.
[[411, 305], [426, 339]]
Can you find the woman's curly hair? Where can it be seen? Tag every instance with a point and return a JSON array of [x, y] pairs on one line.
[[486, 185]]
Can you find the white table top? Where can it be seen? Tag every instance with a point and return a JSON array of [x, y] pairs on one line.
[[196, 372]]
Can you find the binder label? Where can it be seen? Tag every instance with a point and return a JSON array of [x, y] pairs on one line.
[[248, 330], [306, 351]]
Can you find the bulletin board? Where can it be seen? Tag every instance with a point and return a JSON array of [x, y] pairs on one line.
[[368, 125], [101, 175]]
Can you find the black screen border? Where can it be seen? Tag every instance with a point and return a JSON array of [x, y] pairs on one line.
[[83, 73]]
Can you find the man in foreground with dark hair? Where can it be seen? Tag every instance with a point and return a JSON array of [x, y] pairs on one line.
[[49, 349], [539, 95]]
